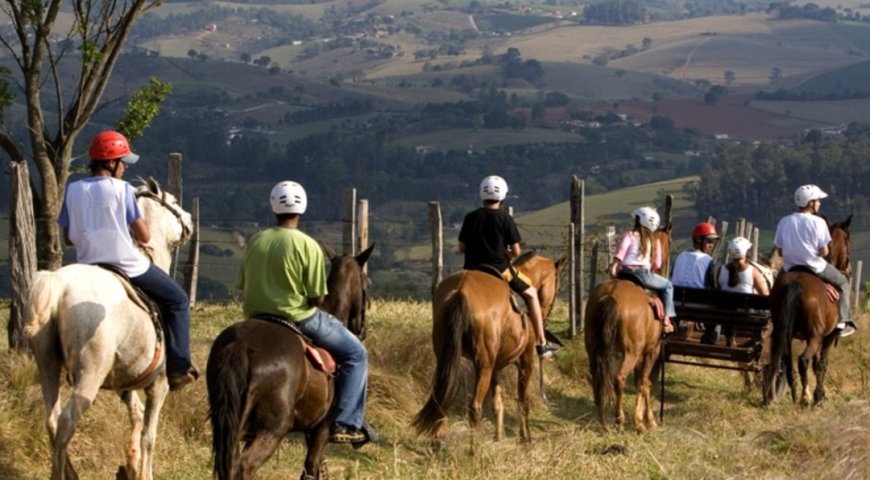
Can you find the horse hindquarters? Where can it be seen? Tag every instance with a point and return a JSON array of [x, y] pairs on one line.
[[449, 324], [601, 336], [227, 383], [787, 304]]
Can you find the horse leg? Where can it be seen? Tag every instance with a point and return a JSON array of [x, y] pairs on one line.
[[498, 408], [628, 363], [484, 378], [316, 442], [820, 367], [84, 392], [809, 353], [266, 441], [134, 447], [649, 361], [155, 395], [524, 386]]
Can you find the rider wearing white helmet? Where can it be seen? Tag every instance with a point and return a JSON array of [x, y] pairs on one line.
[[283, 274], [101, 219], [639, 253], [738, 275], [802, 238], [489, 236]]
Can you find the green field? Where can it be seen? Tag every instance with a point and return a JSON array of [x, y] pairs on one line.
[[481, 139]]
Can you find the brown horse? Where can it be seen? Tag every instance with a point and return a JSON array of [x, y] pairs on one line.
[[262, 386], [347, 277], [473, 317], [801, 309], [622, 335]]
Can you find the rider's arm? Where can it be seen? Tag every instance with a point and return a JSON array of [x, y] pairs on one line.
[[514, 250], [759, 283], [140, 231], [823, 252]]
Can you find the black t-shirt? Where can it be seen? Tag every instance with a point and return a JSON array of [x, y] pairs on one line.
[[486, 234]]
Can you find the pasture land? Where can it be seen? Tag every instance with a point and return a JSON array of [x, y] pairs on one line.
[[713, 429], [701, 47], [481, 139], [854, 77], [593, 83], [819, 113]]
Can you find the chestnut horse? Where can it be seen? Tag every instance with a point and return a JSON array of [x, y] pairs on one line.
[[262, 386], [622, 335], [473, 317], [801, 309]]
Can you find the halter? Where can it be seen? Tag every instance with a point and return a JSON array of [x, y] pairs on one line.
[[173, 209]]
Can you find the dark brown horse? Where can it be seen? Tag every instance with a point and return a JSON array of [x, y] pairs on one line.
[[473, 317], [346, 278], [622, 335], [801, 309], [261, 386]]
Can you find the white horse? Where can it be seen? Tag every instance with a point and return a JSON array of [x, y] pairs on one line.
[[81, 319]]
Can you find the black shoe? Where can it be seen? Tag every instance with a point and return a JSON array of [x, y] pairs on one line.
[[546, 350], [178, 381], [345, 434]]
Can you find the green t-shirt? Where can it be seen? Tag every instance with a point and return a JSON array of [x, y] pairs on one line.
[[282, 269]]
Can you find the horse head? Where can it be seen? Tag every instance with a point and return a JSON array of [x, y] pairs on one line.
[[169, 224], [347, 285], [841, 245], [544, 274]]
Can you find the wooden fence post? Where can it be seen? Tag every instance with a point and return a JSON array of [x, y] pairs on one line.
[[363, 230], [349, 230], [856, 281], [578, 187], [437, 244], [755, 234], [572, 274], [191, 268]]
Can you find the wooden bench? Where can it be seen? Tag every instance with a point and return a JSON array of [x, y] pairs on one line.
[[747, 314]]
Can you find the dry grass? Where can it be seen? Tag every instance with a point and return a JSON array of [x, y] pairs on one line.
[[712, 430]]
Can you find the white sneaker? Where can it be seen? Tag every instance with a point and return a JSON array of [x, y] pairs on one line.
[[841, 325], [846, 330]]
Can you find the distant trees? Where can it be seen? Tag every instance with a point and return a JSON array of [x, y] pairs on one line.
[[714, 94], [785, 11], [729, 77], [615, 12]]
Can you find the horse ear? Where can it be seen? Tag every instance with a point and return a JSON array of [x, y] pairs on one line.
[[847, 222], [153, 186], [327, 250], [363, 257]]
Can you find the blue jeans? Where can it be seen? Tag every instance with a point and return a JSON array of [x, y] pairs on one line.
[[175, 315], [662, 286], [352, 358], [836, 277]]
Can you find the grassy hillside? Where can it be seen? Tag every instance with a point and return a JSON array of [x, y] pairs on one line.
[[713, 429]]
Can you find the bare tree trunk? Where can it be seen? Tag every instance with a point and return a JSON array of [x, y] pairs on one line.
[[22, 255]]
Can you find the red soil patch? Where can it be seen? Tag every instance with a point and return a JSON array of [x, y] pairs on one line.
[[729, 116]]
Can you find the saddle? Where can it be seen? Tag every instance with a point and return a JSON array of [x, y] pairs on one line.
[[518, 303], [832, 293], [652, 297], [319, 357]]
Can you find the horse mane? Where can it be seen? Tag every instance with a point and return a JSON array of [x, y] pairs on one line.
[[524, 257]]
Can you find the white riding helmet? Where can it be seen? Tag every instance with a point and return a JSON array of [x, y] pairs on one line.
[[649, 218], [738, 247], [493, 187], [807, 193], [288, 197]]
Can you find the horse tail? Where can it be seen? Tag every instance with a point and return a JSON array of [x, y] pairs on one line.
[[43, 301], [783, 330], [227, 382], [454, 323], [604, 359]]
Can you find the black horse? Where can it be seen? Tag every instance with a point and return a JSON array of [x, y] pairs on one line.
[[262, 386]]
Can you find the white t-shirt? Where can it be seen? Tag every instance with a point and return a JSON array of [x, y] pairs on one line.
[[800, 236], [97, 212], [690, 269]]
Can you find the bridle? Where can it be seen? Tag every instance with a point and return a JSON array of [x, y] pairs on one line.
[[174, 209]]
